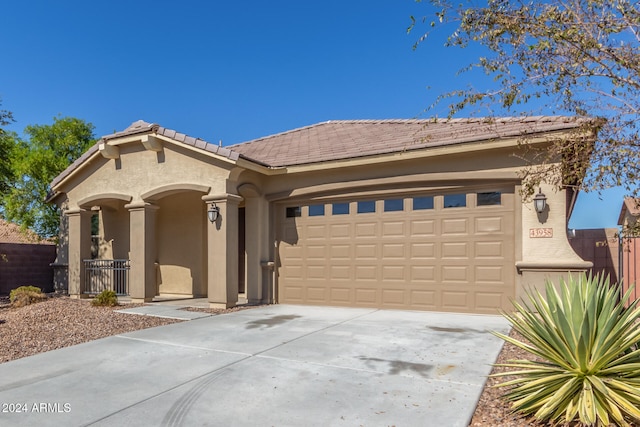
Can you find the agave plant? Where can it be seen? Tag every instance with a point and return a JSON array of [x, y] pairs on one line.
[[587, 343]]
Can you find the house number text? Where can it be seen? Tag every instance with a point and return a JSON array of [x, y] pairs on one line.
[[537, 233]]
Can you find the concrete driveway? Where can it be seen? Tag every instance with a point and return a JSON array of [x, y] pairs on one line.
[[279, 365]]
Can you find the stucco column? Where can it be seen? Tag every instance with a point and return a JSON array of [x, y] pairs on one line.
[[79, 248], [142, 276], [546, 251], [222, 252], [257, 238]]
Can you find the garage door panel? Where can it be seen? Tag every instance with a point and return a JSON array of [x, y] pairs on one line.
[[489, 249], [423, 273], [366, 272], [340, 252], [366, 296], [366, 229], [424, 299], [423, 227], [489, 274], [393, 251], [428, 258], [340, 295], [455, 250], [490, 225], [317, 294], [455, 300], [393, 272], [316, 231], [455, 226], [339, 231], [317, 252], [294, 294], [423, 251], [316, 272], [366, 251], [293, 271], [488, 302], [393, 229], [455, 274], [393, 297], [340, 272]]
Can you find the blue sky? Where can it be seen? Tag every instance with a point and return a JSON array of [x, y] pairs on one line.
[[231, 71]]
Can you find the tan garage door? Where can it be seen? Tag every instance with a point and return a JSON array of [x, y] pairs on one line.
[[445, 252]]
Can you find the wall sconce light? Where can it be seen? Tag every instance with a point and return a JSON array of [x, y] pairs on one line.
[[540, 201], [213, 212]]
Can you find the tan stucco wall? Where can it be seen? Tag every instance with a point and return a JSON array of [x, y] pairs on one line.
[[546, 258], [138, 172], [181, 245]]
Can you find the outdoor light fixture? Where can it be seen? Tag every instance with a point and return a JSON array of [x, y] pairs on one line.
[[540, 201], [213, 212]]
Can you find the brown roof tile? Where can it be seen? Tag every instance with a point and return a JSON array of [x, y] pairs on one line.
[[346, 139], [11, 233]]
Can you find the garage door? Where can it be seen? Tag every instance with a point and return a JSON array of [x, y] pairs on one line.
[[444, 252]]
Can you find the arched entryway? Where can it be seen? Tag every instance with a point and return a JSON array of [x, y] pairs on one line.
[[181, 245]]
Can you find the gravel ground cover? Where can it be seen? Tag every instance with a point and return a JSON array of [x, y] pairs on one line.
[[60, 322]]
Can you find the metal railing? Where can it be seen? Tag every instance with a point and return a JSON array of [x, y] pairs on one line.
[[106, 274]]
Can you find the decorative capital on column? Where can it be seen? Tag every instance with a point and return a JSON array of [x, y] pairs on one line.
[[140, 206], [222, 198], [75, 211]]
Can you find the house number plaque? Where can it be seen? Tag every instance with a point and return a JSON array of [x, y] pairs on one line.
[[540, 233]]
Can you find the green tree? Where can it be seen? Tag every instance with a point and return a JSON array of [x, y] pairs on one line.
[[6, 144], [35, 162], [575, 57]]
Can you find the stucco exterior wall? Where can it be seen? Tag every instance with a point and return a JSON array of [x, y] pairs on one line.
[[139, 174], [546, 251], [181, 245]]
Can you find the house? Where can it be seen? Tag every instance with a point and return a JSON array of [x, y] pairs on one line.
[[408, 214], [629, 269]]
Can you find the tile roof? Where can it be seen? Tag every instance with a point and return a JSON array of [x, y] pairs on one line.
[[631, 205], [347, 139], [11, 233]]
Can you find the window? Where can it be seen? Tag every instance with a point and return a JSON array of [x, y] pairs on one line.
[[421, 203], [340, 209], [95, 234], [316, 210], [393, 205], [366, 207], [455, 200], [294, 211], [489, 199]]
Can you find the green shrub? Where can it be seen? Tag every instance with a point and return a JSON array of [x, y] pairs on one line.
[[25, 295], [589, 346], [105, 299]]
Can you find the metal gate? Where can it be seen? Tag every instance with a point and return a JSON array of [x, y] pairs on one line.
[[106, 274]]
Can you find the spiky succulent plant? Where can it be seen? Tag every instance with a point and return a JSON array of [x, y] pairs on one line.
[[588, 357]]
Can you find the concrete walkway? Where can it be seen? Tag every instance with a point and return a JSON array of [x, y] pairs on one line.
[[270, 366], [166, 311]]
